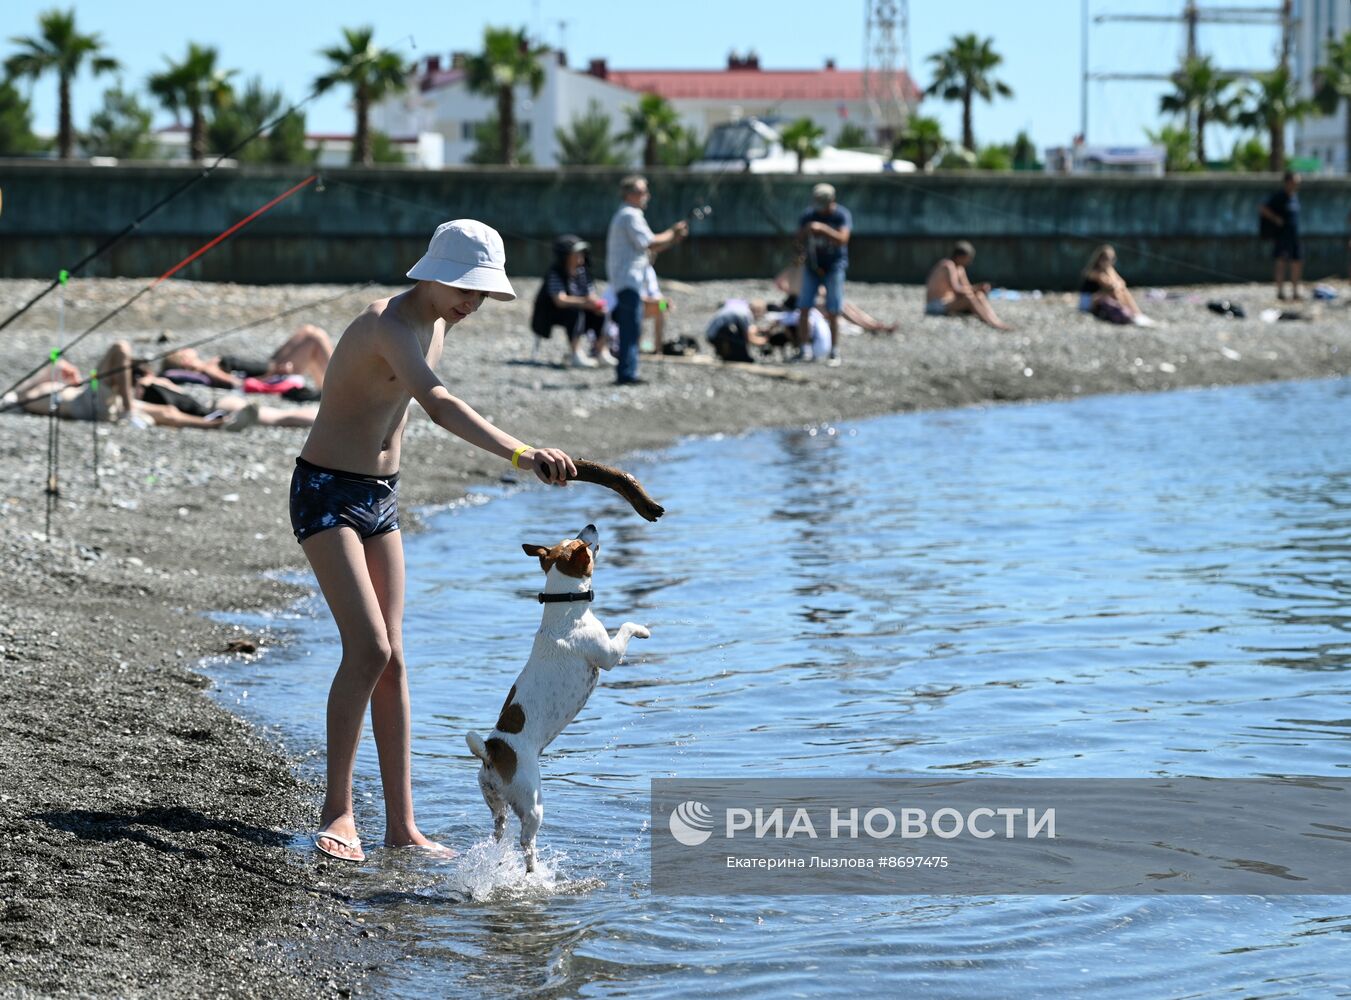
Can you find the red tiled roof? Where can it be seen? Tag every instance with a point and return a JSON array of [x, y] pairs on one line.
[[751, 84]]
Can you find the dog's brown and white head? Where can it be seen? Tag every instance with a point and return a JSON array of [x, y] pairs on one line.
[[569, 564]]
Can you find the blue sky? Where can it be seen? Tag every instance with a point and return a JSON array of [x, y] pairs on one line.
[[1038, 38]]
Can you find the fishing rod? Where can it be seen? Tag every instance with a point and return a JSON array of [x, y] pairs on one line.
[[93, 377], [173, 195], [204, 248]]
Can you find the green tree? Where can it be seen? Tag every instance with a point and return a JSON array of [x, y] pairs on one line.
[[286, 141], [683, 148], [120, 128], [653, 122], [196, 85], [371, 72], [1024, 153], [920, 140], [1250, 155], [488, 145], [234, 122], [1177, 148], [1272, 102], [587, 141], [383, 149], [995, 158], [852, 136], [1201, 94], [16, 122], [1332, 84], [803, 138], [59, 48], [963, 72], [507, 61]]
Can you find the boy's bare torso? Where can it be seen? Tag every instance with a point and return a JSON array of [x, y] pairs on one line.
[[364, 408]]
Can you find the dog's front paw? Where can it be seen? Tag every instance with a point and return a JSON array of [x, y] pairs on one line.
[[638, 631]]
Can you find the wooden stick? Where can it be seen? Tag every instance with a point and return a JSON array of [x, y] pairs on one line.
[[622, 483]]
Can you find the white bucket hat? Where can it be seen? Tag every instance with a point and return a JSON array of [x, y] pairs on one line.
[[466, 254]]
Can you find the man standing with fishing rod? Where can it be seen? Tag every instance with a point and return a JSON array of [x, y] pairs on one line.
[[344, 507], [629, 247], [824, 233]]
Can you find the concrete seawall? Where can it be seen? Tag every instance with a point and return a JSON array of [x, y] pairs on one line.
[[1031, 230]]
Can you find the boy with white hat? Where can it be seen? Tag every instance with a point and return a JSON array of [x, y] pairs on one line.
[[344, 506]]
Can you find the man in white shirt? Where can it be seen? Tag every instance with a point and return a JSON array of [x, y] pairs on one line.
[[629, 248]]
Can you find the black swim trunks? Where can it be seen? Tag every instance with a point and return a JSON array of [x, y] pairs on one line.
[[330, 498]]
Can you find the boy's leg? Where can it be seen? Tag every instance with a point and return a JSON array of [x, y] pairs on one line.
[[389, 701], [339, 564]]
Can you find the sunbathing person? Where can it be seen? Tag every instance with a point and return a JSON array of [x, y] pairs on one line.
[[305, 353], [127, 390], [115, 396], [156, 390], [949, 291], [789, 281], [1104, 293]]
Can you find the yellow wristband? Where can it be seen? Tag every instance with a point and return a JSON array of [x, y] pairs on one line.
[[516, 455]]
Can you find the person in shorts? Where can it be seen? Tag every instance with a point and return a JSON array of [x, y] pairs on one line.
[[824, 231], [345, 507], [1281, 212]]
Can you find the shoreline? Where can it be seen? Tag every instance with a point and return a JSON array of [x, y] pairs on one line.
[[150, 827]]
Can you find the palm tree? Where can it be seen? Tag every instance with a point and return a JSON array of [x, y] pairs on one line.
[[506, 62], [654, 123], [803, 139], [962, 73], [1271, 104], [59, 47], [1201, 93], [587, 142], [194, 85], [1332, 84], [920, 140], [372, 73]]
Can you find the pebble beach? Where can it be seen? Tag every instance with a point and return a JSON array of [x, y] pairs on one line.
[[151, 833]]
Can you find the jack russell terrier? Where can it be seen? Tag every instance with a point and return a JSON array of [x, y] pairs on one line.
[[571, 648]]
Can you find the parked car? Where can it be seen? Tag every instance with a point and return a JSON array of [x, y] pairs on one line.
[[753, 145]]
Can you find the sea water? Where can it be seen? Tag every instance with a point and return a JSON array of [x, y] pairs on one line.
[[1131, 586]]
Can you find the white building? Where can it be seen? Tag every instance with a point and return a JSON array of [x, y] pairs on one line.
[[439, 100], [829, 96], [1322, 138]]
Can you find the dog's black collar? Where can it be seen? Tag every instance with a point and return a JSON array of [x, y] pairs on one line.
[[588, 595]]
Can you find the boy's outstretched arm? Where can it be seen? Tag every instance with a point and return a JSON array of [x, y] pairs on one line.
[[403, 353]]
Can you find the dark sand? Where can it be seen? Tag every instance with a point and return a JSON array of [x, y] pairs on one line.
[[148, 831]]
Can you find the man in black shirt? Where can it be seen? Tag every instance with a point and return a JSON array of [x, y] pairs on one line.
[[1280, 216]]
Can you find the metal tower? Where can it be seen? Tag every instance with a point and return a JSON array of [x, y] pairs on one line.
[[886, 58]]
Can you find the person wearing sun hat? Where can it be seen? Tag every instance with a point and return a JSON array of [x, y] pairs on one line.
[[345, 514]]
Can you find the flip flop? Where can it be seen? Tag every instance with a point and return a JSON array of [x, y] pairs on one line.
[[354, 844]]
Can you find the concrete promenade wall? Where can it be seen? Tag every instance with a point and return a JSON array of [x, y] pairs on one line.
[[1030, 230]]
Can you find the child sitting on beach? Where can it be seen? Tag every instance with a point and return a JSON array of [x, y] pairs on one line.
[[344, 507]]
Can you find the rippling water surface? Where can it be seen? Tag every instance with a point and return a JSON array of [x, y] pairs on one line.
[[1118, 587]]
